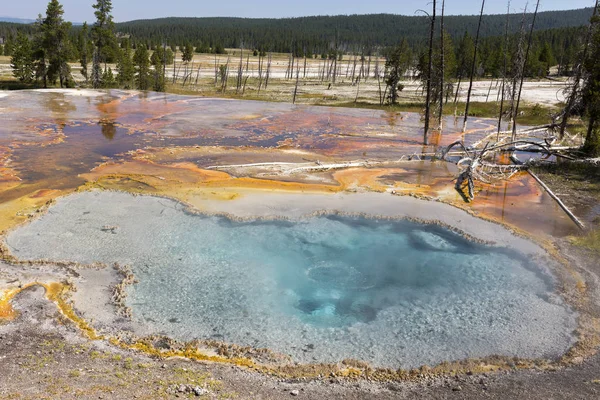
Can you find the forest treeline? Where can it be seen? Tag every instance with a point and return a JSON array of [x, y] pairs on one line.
[[317, 34], [328, 37]]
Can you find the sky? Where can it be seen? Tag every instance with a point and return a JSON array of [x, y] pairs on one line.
[[126, 10]]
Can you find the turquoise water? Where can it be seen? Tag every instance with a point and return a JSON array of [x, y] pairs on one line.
[[394, 293]]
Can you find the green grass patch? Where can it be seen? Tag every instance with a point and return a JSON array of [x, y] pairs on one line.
[[590, 241], [13, 84]]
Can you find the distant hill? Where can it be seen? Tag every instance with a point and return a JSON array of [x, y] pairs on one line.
[[319, 32], [17, 20]]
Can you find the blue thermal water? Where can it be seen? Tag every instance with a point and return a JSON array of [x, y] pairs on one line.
[[394, 293]]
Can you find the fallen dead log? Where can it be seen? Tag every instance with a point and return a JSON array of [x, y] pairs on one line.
[[550, 193], [558, 201]]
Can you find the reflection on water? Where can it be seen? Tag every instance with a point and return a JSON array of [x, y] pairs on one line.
[[48, 139], [109, 130]]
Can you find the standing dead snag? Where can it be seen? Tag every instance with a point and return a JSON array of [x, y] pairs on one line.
[[504, 72], [429, 72], [473, 66], [442, 62], [523, 71], [296, 86]]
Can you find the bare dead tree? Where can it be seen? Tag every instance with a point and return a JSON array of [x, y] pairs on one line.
[[188, 75], [335, 56], [216, 70], [245, 82], [269, 61], [287, 70], [224, 71], [442, 67], [304, 74], [354, 67], [174, 65], [296, 86], [487, 97], [292, 66], [361, 71], [473, 66], [348, 67], [238, 83], [260, 71], [429, 76], [505, 66], [514, 130], [198, 74], [518, 66], [381, 97]]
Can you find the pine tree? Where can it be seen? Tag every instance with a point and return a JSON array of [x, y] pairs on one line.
[[8, 45], [103, 35], [22, 59], [125, 67], [591, 89], [546, 59], [160, 58], [159, 54], [96, 70], [188, 53], [142, 67], [396, 64], [55, 42], [108, 79], [85, 50]]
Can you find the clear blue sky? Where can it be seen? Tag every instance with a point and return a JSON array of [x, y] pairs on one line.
[[125, 10]]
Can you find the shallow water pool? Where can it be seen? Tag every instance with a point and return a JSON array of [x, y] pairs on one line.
[[322, 289]]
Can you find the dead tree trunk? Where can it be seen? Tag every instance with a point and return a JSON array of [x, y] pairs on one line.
[[517, 68], [238, 82], [354, 67], [429, 71], [198, 74], [442, 61], [505, 68], [473, 68], [487, 98], [304, 74], [296, 86], [216, 70], [380, 94], [514, 130], [260, 75], [335, 57], [174, 66], [269, 61]]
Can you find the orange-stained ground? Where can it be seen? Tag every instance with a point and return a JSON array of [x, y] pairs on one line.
[[53, 143]]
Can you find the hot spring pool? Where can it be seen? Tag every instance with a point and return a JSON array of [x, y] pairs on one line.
[[322, 289]]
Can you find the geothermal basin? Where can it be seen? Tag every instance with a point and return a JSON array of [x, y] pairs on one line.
[[322, 287], [276, 226]]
